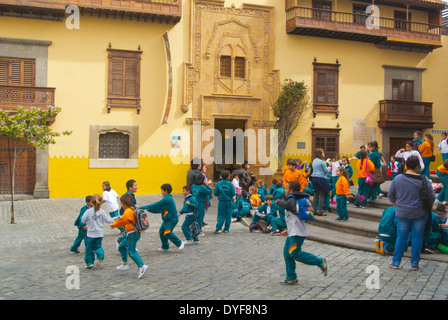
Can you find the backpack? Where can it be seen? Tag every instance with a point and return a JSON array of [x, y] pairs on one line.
[[427, 203], [255, 226], [303, 214], [141, 220]]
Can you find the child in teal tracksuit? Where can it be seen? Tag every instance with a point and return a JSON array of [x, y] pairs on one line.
[[201, 192], [167, 207], [278, 222], [189, 209], [225, 191], [243, 207], [296, 205], [279, 191], [81, 231], [267, 211]]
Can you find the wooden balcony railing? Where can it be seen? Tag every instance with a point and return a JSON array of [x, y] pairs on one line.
[[169, 10], [352, 26], [13, 96], [405, 114]]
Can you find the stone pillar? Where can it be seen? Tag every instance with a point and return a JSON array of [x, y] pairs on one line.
[[41, 189]]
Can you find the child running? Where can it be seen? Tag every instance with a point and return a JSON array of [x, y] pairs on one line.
[[94, 219], [189, 209], [81, 227], [167, 207], [129, 243], [296, 233]]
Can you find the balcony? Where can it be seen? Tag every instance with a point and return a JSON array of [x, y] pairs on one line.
[[169, 11], [392, 33], [405, 114], [13, 96]]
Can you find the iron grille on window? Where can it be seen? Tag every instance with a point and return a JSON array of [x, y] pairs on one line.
[[114, 145]]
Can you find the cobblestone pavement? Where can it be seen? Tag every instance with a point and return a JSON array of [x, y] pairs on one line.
[[34, 255]]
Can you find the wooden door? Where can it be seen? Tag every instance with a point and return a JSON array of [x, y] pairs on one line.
[[395, 145], [25, 169]]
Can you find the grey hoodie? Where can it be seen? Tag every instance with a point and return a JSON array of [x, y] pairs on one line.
[[95, 221]]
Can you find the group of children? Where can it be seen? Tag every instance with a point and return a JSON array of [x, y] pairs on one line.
[[91, 219]]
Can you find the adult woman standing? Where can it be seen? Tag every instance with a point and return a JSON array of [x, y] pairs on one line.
[[320, 183], [405, 195], [426, 149]]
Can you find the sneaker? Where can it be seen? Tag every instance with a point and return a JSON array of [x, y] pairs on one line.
[[218, 231], [142, 270], [324, 267], [196, 242], [74, 251], [276, 233], [393, 266], [181, 246], [414, 268], [338, 219], [202, 234], [225, 231], [290, 282], [90, 266], [189, 242], [363, 207], [163, 250], [429, 250], [380, 195], [123, 267]]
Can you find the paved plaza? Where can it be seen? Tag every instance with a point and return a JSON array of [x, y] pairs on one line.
[[240, 265]]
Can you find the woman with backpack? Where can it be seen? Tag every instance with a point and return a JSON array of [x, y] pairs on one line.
[[413, 197]]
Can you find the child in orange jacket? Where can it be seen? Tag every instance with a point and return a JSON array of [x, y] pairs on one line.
[[342, 194], [128, 245]]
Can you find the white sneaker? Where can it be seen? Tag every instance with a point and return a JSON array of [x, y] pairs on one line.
[[142, 270], [181, 246], [123, 267], [189, 242], [163, 250]]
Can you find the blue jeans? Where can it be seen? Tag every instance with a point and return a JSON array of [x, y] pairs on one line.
[[414, 226]]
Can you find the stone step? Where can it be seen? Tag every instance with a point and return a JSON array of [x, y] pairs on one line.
[[358, 242], [357, 226]]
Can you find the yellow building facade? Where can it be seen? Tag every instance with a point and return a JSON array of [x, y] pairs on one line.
[[135, 83]]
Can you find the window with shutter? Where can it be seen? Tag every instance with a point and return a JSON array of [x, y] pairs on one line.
[[326, 78], [403, 90], [17, 72], [327, 139], [124, 79]]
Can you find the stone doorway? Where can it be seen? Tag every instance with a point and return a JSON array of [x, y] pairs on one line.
[[232, 145]]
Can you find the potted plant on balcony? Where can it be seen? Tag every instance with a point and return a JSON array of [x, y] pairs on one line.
[[289, 108]]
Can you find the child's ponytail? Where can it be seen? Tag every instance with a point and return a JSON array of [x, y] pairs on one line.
[[96, 201]]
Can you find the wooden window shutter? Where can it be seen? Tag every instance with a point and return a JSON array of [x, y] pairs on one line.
[[326, 87], [124, 79], [17, 72]]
